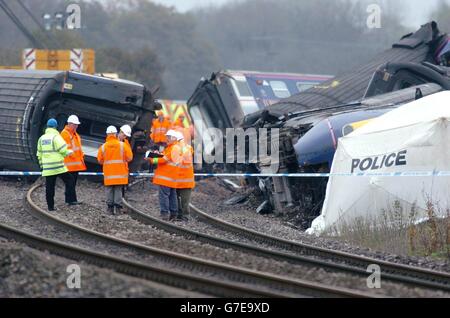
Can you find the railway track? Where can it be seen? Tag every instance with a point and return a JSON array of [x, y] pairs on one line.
[[191, 273], [300, 253]]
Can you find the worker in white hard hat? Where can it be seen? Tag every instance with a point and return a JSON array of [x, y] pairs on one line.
[[75, 162], [166, 175], [111, 130], [114, 155], [185, 175], [124, 136]]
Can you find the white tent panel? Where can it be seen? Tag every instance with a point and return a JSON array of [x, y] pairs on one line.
[[413, 137]]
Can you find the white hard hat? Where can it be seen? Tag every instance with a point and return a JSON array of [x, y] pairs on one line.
[[111, 130], [172, 133], [73, 119], [180, 136], [126, 129]]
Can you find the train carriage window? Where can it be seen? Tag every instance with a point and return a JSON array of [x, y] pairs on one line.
[[304, 86], [280, 89], [401, 84], [243, 89]]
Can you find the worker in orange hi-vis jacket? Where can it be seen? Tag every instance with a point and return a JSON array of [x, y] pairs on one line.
[[165, 177], [179, 122], [183, 155], [179, 126], [125, 134], [114, 155], [74, 162], [160, 127]]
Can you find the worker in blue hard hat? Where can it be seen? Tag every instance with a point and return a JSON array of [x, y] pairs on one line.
[[51, 151]]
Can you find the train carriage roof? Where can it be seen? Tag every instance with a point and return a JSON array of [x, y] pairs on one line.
[[351, 86]]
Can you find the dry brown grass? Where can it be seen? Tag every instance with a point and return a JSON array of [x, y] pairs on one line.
[[401, 233]]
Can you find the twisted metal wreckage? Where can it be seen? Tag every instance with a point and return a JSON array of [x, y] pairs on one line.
[[311, 122]]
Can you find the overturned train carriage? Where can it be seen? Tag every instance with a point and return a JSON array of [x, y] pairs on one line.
[[310, 122], [29, 98], [309, 135], [308, 142]]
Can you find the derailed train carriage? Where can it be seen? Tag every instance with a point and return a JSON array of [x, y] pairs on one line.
[[29, 98], [311, 122]]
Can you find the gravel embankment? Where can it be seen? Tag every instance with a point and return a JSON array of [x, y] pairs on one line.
[[211, 197], [26, 272], [92, 214], [145, 197], [270, 224]]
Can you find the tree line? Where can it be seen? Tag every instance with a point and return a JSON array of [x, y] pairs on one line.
[[156, 45]]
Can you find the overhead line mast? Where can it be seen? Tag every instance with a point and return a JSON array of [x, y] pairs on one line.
[[53, 40], [35, 42]]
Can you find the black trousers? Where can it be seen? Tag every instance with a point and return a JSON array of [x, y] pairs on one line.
[[183, 198], [75, 178], [50, 184]]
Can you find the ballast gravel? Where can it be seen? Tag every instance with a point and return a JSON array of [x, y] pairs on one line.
[[92, 214]]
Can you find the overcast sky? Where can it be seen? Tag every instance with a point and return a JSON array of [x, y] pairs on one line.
[[416, 11], [185, 5]]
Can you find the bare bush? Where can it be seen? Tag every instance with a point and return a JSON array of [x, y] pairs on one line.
[[397, 232]]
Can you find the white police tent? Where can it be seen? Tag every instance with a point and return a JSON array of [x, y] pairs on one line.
[[412, 138]]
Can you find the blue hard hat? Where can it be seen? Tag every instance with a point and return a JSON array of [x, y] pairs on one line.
[[52, 123]]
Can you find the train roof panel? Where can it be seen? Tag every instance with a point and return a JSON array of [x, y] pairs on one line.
[[351, 85], [277, 75]]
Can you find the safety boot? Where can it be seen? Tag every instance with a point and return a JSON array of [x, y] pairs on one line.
[[110, 209], [182, 218], [165, 217]]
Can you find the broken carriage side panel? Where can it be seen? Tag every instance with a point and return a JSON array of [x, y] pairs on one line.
[[97, 101], [100, 102], [22, 94], [117, 91], [29, 98]]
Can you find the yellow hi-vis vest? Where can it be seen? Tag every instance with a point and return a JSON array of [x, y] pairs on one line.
[[51, 150]]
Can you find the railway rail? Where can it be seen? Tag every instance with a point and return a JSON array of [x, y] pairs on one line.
[[299, 253], [197, 274], [400, 272]]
